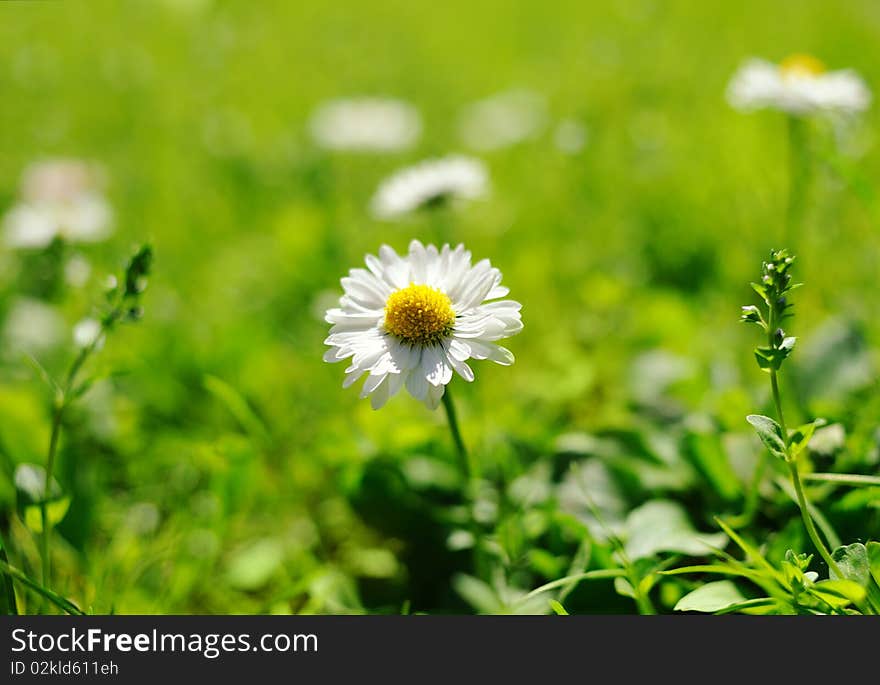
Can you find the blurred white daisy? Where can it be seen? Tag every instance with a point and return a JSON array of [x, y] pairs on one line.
[[503, 120], [59, 198], [366, 125], [77, 271], [428, 183], [798, 85], [32, 326], [412, 320]]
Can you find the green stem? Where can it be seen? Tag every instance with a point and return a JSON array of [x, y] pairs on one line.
[[44, 592], [798, 487], [467, 464], [843, 478], [774, 385], [44, 506], [808, 521], [469, 470], [61, 401]]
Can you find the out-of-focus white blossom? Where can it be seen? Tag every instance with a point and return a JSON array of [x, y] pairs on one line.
[[59, 198], [503, 120], [798, 85], [366, 125], [433, 181]]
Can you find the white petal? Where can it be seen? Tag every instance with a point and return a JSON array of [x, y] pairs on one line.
[[433, 397], [481, 349], [371, 384], [380, 396], [416, 384]]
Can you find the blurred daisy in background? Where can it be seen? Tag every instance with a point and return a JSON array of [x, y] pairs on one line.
[[77, 271], [798, 85], [32, 326], [366, 125], [410, 321], [60, 198], [430, 183], [503, 120]]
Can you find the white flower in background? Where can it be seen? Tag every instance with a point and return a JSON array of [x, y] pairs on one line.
[[32, 326], [570, 136], [366, 125], [503, 120], [77, 271], [87, 332], [432, 182], [798, 85], [59, 198], [412, 320]]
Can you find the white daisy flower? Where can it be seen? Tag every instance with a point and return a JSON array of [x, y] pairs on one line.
[[412, 320], [798, 85], [366, 125], [428, 183], [503, 120], [59, 198]]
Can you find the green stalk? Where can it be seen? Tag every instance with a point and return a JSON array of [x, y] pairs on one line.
[[808, 520], [44, 506], [798, 487], [61, 402], [467, 464], [470, 471]]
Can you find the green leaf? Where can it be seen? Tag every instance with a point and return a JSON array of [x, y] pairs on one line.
[[624, 588], [30, 485], [478, 594], [800, 438], [8, 606], [558, 609], [707, 454], [53, 597], [238, 406], [252, 567], [838, 593], [873, 549], [770, 433], [711, 597], [852, 560], [762, 291], [663, 526], [55, 513]]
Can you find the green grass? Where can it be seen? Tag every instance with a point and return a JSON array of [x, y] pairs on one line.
[[218, 466]]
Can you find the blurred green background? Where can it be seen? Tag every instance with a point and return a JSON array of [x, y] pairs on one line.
[[218, 466]]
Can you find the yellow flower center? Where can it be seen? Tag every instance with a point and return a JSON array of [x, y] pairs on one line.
[[419, 314], [800, 65]]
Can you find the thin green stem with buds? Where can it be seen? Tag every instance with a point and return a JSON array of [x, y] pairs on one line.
[[123, 300], [62, 400], [774, 288]]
